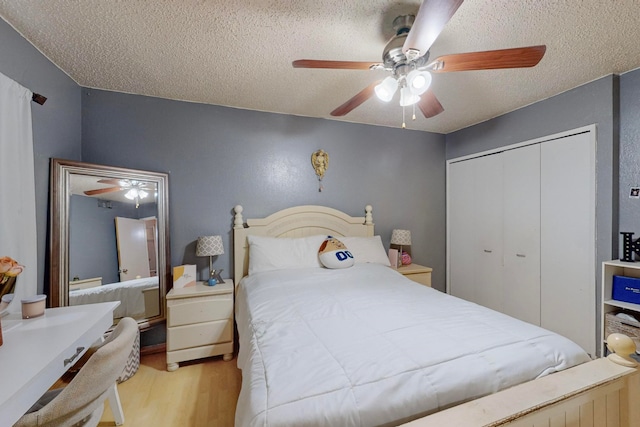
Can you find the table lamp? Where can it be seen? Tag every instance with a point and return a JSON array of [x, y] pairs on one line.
[[210, 246], [401, 238]]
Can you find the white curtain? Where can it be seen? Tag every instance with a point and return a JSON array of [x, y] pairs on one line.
[[18, 237]]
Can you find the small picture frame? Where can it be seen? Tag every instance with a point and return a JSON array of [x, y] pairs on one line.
[[184, 276], [634, 193], [394, 257]]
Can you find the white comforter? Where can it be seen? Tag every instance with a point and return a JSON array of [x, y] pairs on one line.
[[129, 294], [365, 346]]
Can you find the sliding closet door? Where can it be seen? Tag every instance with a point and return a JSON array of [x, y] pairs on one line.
[[568, 238], [462, 230], [475, 224], [488, 210], [521, 273]]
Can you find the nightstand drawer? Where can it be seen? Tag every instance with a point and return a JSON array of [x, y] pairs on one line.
[[199, 334], [200, 309], [422, 278], [416, 272]]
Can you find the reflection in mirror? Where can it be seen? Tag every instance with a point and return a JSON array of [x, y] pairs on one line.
[[109, 238]]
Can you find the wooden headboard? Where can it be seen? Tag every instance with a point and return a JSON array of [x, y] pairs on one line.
[[299, 221]]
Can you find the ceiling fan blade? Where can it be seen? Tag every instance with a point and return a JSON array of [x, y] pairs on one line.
[[109, 181], [432, 16], [429, 104], [356, 100], [102, 191], [340, 65], [519, 57]]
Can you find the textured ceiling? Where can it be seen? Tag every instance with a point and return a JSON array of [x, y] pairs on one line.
[[238, 53]]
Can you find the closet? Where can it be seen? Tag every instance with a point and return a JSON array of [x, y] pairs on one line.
[[521, 232]]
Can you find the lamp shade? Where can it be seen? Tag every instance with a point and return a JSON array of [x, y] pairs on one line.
[[418, 81], [407, 97], [209, 246], [386, 89], [401, 237]]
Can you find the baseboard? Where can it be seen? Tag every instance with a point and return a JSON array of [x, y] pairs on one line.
[[151, 349]]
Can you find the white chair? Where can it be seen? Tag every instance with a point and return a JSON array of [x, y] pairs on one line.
[[81, 402]]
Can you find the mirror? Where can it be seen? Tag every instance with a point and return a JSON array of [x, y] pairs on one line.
[[109, 239]]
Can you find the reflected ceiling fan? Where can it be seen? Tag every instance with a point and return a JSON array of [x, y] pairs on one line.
[[135, 190], [406, 57]]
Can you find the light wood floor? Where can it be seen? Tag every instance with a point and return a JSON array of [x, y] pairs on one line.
[[202, 393]]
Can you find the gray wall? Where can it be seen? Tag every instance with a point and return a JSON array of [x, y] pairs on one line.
[[629, 151], [56, 124], [596, 102], [219, 157]]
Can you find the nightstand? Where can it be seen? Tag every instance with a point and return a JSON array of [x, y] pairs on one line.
[[199, 323], [417, 273]]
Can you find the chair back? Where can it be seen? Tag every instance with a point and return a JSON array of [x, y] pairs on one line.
[[90, 386]]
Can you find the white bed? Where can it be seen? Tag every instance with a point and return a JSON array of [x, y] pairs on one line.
[[365, 346], [375, 348], [129, 293]]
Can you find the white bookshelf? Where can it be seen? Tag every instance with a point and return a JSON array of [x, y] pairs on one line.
[[610, 269]]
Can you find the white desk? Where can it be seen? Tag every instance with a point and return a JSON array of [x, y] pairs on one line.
[[36, 352]]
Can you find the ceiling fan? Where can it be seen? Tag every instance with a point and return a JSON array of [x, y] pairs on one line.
[[406, 56], [136, 190]]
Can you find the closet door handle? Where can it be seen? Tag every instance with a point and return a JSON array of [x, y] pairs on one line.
[[488, 251], [521, 255]]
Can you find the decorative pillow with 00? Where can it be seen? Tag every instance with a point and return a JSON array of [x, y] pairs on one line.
[[334, 254], [277, 253]]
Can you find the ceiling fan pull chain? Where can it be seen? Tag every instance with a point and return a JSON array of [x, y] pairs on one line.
[[404, 125]]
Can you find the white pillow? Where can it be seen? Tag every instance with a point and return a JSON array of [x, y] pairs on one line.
[[367, 249], [275, 253], [334, 254]]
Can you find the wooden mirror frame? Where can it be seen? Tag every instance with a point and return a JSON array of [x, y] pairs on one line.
[[60, 196]]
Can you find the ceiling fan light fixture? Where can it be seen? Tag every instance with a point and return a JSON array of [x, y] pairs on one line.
[[131, 194], [386, 89], [142, 194], [407, 97], [418, 81]]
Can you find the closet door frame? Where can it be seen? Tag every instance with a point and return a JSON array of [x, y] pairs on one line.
[[571, 310]]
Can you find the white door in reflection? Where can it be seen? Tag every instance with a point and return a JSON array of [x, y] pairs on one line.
[[133, 255]]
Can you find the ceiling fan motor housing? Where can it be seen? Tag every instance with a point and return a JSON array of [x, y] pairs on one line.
[[406, 57], [392, 56]]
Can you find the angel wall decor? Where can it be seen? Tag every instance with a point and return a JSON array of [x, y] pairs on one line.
[[320, 163]]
